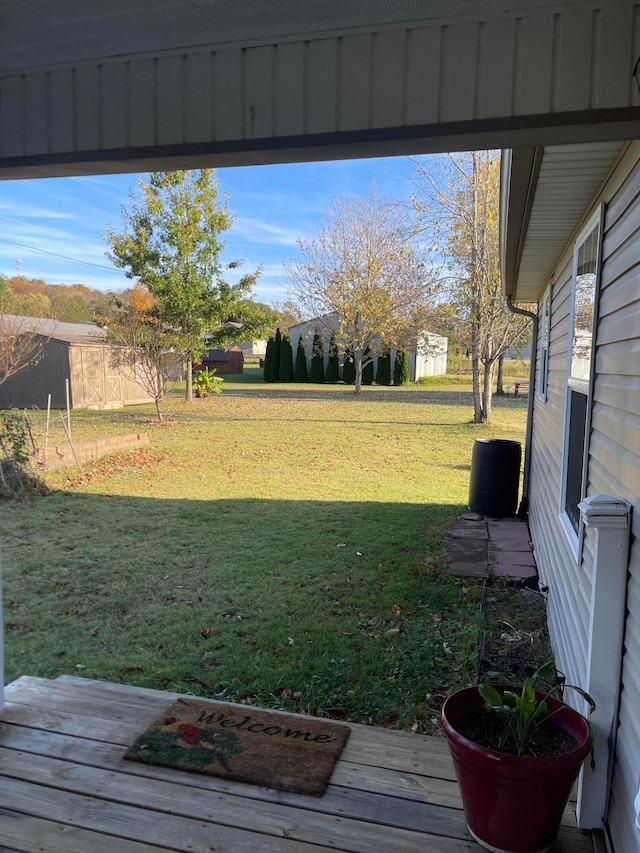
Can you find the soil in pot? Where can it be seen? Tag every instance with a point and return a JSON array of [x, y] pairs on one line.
[[485, 730]]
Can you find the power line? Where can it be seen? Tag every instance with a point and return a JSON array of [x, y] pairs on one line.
[[54, 255]]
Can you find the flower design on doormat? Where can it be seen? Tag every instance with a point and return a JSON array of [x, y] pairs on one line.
[[189, 746]]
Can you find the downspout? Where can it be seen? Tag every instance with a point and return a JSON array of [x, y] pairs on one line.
[[523, 510]]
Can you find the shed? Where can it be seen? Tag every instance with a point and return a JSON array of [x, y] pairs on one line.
[[225, 362], [427, 358], [73, 352]]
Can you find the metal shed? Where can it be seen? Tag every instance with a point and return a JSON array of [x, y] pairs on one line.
[[77, 353]]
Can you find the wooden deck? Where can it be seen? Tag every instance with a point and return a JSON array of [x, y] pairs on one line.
[[64, 787]]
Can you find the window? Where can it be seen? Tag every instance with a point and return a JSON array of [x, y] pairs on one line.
[[545, 332], [586, 264]]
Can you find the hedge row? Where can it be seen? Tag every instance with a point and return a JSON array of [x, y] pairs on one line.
[[279, 364]]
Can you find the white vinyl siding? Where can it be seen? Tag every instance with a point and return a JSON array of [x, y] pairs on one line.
[[613, 468]]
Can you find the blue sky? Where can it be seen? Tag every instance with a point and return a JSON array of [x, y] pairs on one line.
[[275, 205]]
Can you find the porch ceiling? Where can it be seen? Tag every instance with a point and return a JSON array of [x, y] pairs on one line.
[[545, 193], [43, 32]]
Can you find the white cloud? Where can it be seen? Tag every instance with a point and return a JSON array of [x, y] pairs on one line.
[[265, 233]]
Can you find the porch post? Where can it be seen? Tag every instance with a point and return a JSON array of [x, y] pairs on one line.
[[1, 645], [610, 519]]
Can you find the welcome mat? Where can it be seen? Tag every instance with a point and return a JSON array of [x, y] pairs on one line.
[[246, 744]]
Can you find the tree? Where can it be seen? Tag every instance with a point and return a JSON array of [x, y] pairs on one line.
[[144, 348], [6, 298], [367, 370], [278, 349], [270, 372], [400, 369], [348, 367], [20, 345], [170, 241], [288, 314], [31, 305], [364, 276], [317, 359], [301, 373], [456, 204], [286, 359], [333, 366], [383, 369]]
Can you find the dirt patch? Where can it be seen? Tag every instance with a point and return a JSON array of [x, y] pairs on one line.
[[514, 640]]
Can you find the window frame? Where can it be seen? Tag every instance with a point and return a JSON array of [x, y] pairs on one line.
[[576, 536], [545, 340]]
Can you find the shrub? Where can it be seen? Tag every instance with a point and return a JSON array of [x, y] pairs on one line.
[[383, 370], [367, 370], [286, 359], [206, 383], [348, 368], [15, 454], [401, 369], [302, 374], [270, 365], [333, 368], [317, 359], [278, 348]]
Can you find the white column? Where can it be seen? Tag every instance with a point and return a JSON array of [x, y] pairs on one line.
[[1, 646], [610, 519]]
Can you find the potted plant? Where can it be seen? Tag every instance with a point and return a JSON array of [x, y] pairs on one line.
[[517, 752]]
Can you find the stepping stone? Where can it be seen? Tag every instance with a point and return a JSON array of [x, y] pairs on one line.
[[515, 558], [469, 570], [468, 530], [509, 570], [467, 550], [507, 543]]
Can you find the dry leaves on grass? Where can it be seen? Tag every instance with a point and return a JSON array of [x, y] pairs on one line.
[[119, 463]]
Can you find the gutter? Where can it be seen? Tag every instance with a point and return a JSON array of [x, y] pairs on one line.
[[523, 510]]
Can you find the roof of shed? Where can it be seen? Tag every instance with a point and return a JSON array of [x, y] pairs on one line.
[[217, 355], [56, 329]]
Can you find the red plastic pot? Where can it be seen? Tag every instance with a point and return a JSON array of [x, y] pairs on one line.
[[513, 804]]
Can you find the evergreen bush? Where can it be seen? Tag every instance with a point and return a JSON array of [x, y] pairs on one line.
[[301, 373], [333, 368], [317, 359], [270, 373], [367, 370], [278, 348], [383, 369], [286, 359], [401, 369], [348, 367]]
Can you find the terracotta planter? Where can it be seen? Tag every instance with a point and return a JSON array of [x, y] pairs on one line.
[[513, 804]]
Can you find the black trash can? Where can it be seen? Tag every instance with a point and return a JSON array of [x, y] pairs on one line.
[[495, 477]]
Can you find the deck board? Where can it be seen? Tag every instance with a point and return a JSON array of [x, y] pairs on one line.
[[64, 786]]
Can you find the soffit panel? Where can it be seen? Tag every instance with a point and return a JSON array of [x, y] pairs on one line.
[[570, 177]]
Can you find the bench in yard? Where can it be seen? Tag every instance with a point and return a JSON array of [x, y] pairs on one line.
[[518, 385]]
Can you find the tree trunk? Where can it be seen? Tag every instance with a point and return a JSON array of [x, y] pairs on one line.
[[189, 386], [487, 391], [475, 378], [157, 402], [357, 360], [500, 382]]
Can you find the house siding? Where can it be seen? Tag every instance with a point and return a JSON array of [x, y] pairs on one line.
[[613, 468]]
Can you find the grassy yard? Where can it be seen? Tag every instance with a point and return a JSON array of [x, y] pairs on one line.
[[279, 545]]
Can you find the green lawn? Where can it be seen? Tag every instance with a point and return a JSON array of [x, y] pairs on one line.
[[276, 544]]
